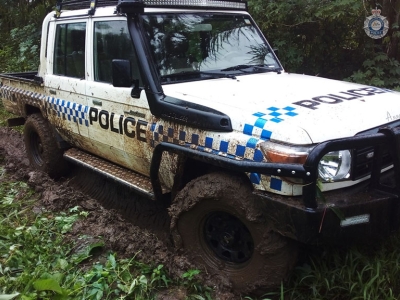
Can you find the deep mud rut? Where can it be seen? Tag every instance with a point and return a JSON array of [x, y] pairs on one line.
[[113, 222]]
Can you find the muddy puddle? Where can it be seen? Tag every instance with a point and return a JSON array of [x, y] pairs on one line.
[[126, 224]]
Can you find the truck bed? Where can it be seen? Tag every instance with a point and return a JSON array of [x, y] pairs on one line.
[[19, 88], [23, 76]]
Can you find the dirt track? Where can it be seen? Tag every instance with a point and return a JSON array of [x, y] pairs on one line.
[[118, 229]]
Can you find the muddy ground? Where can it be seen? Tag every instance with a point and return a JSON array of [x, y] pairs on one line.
[[120, 226]]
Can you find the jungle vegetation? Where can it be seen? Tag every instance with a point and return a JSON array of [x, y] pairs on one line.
[[316, 37]]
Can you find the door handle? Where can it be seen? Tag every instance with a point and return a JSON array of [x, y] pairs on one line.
[[97, 102]]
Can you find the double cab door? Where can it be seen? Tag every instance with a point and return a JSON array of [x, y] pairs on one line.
[[110, 123]]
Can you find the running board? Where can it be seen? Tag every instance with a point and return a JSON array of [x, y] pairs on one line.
[[138, 182]]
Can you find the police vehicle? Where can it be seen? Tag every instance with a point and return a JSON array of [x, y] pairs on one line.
[[186, 102]]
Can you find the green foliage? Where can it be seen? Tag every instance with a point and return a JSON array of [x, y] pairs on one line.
[[326, 38], [314, 37], [20, 28], [36, 262], [4, 115], [356, 273], [380, 71], [191, 282], [26, 41]]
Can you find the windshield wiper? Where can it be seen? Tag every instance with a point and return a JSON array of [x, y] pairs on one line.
[[266, 68], [199, 73], [253, 68], [218, 75], [238, 68]]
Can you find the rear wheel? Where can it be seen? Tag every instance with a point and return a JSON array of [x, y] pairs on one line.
[[220, 227], [41, 147]]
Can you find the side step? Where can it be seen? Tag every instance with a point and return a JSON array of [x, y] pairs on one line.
[[138, 182]]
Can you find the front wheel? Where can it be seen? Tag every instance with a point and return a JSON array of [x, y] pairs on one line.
[[41, 147], [220, 227]]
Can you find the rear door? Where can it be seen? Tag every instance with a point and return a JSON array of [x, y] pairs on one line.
[[65, 80]]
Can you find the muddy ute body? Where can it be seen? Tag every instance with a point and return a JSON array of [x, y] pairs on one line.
[[188, 103]]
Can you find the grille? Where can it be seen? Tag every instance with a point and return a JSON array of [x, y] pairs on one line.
[[363, 158], [363, 161]]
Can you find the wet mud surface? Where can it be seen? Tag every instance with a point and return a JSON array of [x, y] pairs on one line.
[[119, 223]]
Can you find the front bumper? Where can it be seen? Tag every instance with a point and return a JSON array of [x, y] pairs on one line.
[[359, 213], [374, 203]]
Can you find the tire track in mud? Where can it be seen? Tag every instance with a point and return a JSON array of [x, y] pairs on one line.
[[118, 220]]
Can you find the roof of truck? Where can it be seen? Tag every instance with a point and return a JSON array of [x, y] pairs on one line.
[[132, 6]]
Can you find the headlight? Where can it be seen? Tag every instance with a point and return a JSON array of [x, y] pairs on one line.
[[280, 153], [335, 166]]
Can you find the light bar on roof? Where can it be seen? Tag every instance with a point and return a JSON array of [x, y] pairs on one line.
[[137, 6], [235, 5]]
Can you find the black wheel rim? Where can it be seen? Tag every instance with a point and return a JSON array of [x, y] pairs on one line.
[[37, 148], [228, 238]]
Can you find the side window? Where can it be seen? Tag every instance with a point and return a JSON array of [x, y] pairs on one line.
[[112, 41], [69, 54]]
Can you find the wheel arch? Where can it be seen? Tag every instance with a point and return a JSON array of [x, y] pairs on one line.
[[191, 164], [30, 110], [191, 169]]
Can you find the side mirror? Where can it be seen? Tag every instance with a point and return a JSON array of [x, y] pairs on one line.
[[121, 73]]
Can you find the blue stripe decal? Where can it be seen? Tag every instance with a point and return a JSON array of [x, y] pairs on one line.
[[209, 142], [224, 146], [195, 139], [258, 156], [240, 150], [276, 184], [255, 178], [252, 143]]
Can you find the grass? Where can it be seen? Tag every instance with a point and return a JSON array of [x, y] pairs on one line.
[[361, 272], [36, 262], [4, 115]]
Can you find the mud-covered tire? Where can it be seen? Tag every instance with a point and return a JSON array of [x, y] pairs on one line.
[[41, 147], [217, 223]]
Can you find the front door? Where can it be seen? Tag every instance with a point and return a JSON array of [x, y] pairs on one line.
[[117, 122]]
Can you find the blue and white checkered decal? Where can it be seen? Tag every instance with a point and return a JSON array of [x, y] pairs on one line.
[[70, 111], [261, 119], [225, 148], [13, 94], [272, 115], [207, 144]]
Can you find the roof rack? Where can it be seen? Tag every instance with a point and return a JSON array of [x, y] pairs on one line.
[[129, 6], [79, 4]]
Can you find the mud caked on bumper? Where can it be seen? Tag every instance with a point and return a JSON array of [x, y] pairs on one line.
[[368, 209], [365, 211], [354, 214]]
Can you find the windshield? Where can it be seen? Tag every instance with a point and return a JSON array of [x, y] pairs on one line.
[[184, 44]]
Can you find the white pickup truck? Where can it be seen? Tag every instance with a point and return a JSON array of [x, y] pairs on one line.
[[186, 101]]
